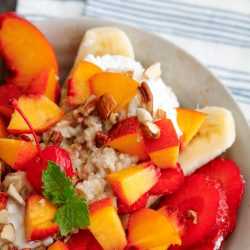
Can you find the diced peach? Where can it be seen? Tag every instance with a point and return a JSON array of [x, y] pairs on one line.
[[131, 183], [121, 87], [106, 226], [148, 229], [126, 137], [189, 122], [39, 213], [17, 153], [3, 130], [8, 92], [164, 151], [78, 85], [39, 110], [25, 49], [3, 200], [58, 245], [45, 83]]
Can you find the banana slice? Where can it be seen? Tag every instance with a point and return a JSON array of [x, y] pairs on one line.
[[105, 40], [216, 134]]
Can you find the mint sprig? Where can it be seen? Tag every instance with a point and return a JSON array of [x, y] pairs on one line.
[[72, 212]]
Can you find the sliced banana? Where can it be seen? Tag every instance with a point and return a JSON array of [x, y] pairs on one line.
[[216, 134], [104, 40]]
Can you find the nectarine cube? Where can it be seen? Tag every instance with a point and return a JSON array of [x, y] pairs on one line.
[[58, 245], [189, 122], [39, 110], [78, 85], [25, 49], [3, 130], [45, 83], [17, 153], [106, 226], [149, 229], [121, 87], [39, 213], [164, 150], [131, 183], [126, 137]]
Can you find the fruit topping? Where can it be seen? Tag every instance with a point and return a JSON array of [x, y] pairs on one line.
[[3, 130], [58, 245]]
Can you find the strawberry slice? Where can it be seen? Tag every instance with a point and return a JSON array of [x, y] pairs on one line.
[[170, 181], [227, 173], [83, 240], [139, 204], [202, 202]]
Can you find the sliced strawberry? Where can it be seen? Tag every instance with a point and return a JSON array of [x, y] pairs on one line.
[[203, 204], [227, 173], [170, 181], [83, 240], [139, 204]]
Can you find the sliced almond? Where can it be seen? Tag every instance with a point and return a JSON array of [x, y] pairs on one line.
[[129, 73], [146, 97], [160, 114], [12, 192], [106, 105], [153, 72], [150, 130], [8, 233], [144, 116], [4, 216]]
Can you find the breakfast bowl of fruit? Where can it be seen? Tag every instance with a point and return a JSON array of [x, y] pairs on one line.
[[113, 138]]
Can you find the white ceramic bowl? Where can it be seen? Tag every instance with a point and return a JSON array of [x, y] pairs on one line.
[[192, 82]]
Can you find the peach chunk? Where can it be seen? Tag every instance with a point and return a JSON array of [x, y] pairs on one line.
[[189, 122], [58, 245], [131, 183], [25, 49], [39, 110], [149, 229], [45, 83], [106, 226], [39, 213], [164, 151], [121, 87], [78, 85], [17, 153], [3, 130], [126, 137]]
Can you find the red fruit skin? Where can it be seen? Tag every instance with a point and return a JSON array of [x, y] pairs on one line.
[[3, 200], [204, 196], [51, 153], [227, 173], [139, 204], [170, 181], [83, 240]]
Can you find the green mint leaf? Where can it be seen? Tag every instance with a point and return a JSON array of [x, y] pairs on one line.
[[57, 187], [74, 214]]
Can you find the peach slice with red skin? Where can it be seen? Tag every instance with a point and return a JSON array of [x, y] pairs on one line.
[[17, 153], [3, 200], [58, 245], [78, 85], [149, 229], [164, 151], [121, 87], [3, 130], [39, 110], [39, 213], [25, 49], [45, 83], [106, 226], [131, 183], [189, 122], [126, 137]]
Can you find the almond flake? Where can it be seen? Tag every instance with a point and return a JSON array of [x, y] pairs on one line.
[[4, 216], [153, 72], [144, 116], [150, 130], [12, 192], [8, 233]]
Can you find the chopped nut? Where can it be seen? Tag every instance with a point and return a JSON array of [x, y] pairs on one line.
[[26, 137], [146, 97], [193, 215], [86, 108], [143, 115], [101, 139], [106, 105], [8, 233], [150, 130], [4, 216], [153, 72], [56, 138], [160, 114], [129, 73], [12, 192]]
